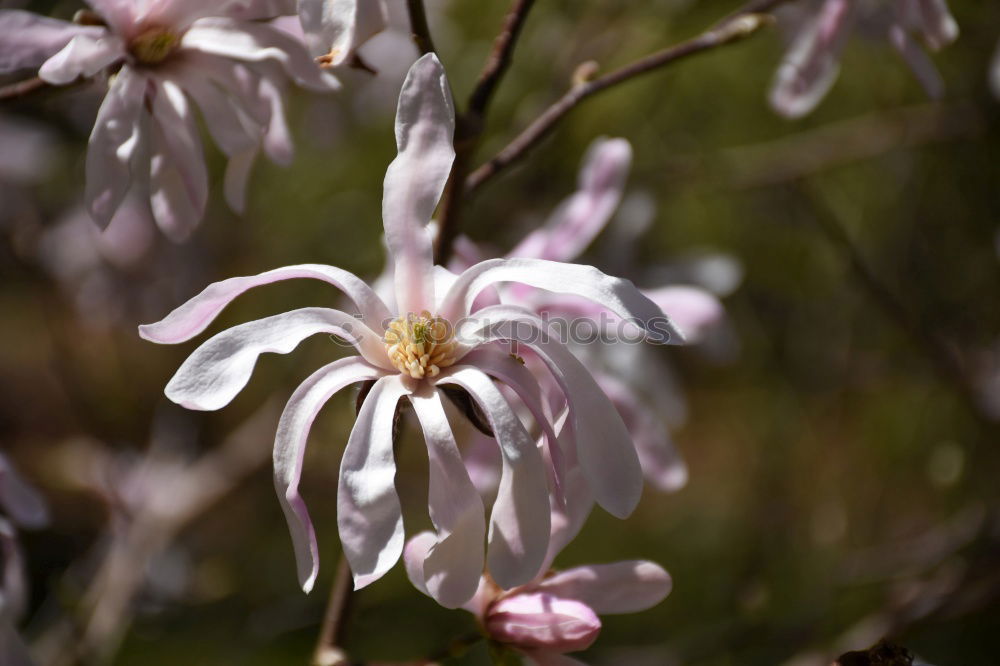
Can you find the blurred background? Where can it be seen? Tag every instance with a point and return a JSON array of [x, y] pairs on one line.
[[839, 427]]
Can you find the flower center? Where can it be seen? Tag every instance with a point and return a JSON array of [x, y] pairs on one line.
[[153, 45], [420, 345]]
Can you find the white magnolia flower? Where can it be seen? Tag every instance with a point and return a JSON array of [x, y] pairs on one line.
[[431, 338], [161, 55]]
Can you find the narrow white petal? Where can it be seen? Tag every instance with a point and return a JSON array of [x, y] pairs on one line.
[[290, 448], [519, 523], [425, 127], [603, 445], [615, 294], [85, 55], [340, 27], [30, 39], [368, 511], [621, 587], [194, 316], [113, 144], [453, 566], [219, 369]]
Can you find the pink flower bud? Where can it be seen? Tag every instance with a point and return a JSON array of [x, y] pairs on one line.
[[540, 620]]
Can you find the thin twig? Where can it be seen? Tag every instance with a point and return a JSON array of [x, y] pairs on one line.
[[419, 29], [470, 124], [937, 351], [727, 31], [21, 88], [327, 652]]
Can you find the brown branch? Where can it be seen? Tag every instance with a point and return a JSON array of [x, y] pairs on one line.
[[728, 31], [469, 125], [327, 652], [21, 88], [419, 29]]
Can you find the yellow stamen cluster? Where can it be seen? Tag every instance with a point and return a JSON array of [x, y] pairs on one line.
[[420, 345], [153, 45]]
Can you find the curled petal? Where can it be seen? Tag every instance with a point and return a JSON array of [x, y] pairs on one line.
[[542, 621], [519, 525], [425, 127], [453, 565], [578, 220], [219, 369], [290, 448], [340, 27], [85, 55], [256, 42], [603, 445], [811, 65], [194, 316], [114, 142], [618, 295], [30, 39], [368, 511], [621, 587]]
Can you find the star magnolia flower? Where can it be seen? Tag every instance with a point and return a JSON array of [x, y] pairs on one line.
[[167, 53], [430, 339], [811, 65], [568, 232], [555, 612]]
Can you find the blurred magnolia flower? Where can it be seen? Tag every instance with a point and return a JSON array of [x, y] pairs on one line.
[[163, 54], [557, 611], [430, 338], [24, 507], [335, 29], [621, 370], [812, 63]]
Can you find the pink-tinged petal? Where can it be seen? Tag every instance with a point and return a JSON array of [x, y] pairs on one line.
[[179, 177], [542, 621], [615, 294], [621, 587], [693, 310], [277, 137], [454, 564], [256, 10], [114, 142], [513, 373], [569, 517], [662, 464], [918, 61], [85, 55], [603, 445], [519, 524], [257, 42], [414, 555], [340, 27], [931, 18], [28, 39], [425, 127], [237, 174], [482, 461], [219, 369], [194, 316], [290, 448], [811, 65], [368, 511], [221, 114], [20, 501], [578, 220]]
